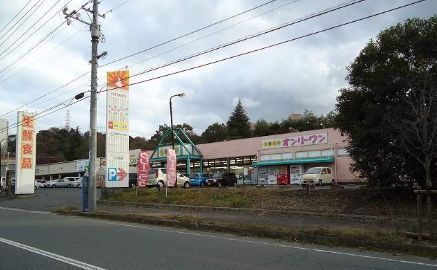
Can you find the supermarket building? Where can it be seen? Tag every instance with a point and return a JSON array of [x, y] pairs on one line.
[[274, 159]]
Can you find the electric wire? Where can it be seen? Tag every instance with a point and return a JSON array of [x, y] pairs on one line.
[[3, 55], [40, 2], [32, 48], [114, 8], [13, 18], [148, 49], [219, 47], [214, 33], [189, 33], [246, 53], [271, 45], [40, 55]]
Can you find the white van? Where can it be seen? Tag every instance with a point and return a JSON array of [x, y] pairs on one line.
[[319, 176]]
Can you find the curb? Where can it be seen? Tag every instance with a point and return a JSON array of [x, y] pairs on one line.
[[271, 212]]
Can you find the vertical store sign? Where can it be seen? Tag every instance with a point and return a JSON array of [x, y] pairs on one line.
[[3, 136], [117, 129], [171, 167], [143, 168], [25, 154]]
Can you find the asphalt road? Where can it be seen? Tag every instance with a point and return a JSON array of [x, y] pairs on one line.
[[41, 240]]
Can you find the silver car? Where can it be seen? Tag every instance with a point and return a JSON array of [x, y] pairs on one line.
[[63, 183]]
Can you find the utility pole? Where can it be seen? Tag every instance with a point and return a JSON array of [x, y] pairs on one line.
[[95, 37]]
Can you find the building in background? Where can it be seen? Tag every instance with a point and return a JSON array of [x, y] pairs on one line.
[[273, 159]]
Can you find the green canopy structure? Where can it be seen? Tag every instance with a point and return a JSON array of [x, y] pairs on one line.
[[185, 149]]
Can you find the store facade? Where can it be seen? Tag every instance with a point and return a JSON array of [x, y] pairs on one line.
[[283, 159]]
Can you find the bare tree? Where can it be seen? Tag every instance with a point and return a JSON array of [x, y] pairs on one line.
[[416, 126]]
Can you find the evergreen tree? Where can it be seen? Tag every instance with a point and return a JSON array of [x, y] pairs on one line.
[[238, 123]]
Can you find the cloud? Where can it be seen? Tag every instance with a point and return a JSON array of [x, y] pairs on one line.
[[271, 84]]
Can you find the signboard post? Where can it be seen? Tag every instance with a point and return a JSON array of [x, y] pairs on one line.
[[171, 169], [117, 129], [3, 149], [143, 169], [25, 154]]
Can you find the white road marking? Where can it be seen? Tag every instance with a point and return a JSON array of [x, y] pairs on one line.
[[24, 210], [238, 239], [51, 255]]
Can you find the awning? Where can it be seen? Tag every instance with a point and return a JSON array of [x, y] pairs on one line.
[[294, 161]]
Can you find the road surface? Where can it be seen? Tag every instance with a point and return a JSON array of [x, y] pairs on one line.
[[41, 240]]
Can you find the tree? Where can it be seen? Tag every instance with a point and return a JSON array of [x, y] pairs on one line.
[[238, 123], [215, 133], [389, 112], [262, 128]]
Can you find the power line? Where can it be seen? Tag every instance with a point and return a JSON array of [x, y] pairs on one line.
[[33, 60], [296, 21], [271, 45], [148, 49], [4, 27], [190, 33], [215, 32], [39, 3], [45, 94], [31, 49], [114, 8], [28, 29], [249, 52]]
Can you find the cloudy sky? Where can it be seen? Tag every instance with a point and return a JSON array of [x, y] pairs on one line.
[[272, 84]]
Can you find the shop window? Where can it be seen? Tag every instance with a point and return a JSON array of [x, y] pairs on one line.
[[265, 157], [315, 153], [327, 153], [287, 156], [301, 154], [276, 156]]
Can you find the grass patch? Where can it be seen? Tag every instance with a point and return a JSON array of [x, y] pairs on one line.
[[391, 204], [385, 241]]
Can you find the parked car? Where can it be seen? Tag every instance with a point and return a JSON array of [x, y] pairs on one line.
[[319, 176], [199, 179], [222, 179], [74, 181], [183, 180], [56, 183], [50, 183], [39, 183], [157, 177]]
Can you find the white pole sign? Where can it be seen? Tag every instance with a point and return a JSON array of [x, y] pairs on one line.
[[3, 136], [117, 129], [25, 154]]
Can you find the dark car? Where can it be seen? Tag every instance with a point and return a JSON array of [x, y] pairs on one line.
[[222, 179], [133, 180]]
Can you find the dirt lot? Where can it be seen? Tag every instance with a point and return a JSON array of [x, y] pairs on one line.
[[361, 201]]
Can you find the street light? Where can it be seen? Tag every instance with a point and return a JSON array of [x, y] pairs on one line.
[[171, 117]]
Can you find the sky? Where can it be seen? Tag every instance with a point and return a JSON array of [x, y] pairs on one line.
[[304, 74]]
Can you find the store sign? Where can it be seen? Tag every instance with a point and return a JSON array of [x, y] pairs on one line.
[[117, 129], [180, 150], [143, 169], [25, 154], [3, 136], [171, 167], [310, 139]]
